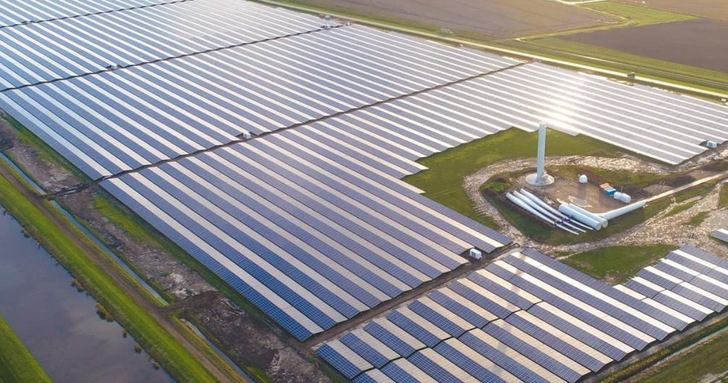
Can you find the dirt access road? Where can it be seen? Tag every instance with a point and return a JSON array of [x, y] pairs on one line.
[[488, 19], [157, 312]]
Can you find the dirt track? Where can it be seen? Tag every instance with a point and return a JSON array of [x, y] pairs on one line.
[[481, 18], [686, 42]]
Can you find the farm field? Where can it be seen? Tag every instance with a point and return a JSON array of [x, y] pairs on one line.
[[679, 42], [473, 18], [713, 9]]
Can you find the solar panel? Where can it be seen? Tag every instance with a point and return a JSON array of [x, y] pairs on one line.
[[15, 12], [343, 359], [439, 368], [474, 363], [81, 45]]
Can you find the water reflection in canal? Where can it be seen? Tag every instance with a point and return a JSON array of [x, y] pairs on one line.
[[58, 325]]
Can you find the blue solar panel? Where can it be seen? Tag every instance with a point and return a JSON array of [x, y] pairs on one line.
[[721, 235], [710, 258], [338, 361], [698, 298], [576, 311], [271, 257], [463, 361], [551, 340], [641, 289], [398, 374], [680, 307], [674, 271], [497, 356], [424, 335], [480, 300], [532, 353], [711, 287], [461, 311], [657, 279], [392, 341], [432, 368], [437, 319], [322, 227], [578, 332], [501, 291], [264, 174], [592, 300], [286, 321], [364, 350], [689, 263]]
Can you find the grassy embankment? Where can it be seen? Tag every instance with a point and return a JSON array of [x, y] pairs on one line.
[[140, 324], [141, 231], [555, 47], [707, 359], [443, 179], [618, 263], [16, 363]]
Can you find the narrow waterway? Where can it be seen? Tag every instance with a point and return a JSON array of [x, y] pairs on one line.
[[58, 325]]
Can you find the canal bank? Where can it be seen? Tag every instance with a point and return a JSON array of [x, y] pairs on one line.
[[57, 323], [130, 304]]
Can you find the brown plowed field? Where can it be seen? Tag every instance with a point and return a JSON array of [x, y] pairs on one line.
[[713, 9], [700, 43], [483, 18]]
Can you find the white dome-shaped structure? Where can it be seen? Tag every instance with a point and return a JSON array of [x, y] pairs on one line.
[[583, 179]]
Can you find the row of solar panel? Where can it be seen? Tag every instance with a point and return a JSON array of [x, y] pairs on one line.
[[652, 122], [17, 12], [688, 281], [721, 234], [40, 52], [535, 318], [327, 233], [119, 120]]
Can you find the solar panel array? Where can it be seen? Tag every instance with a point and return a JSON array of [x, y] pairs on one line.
[[309, 233], [40, 52], [530, 318], [688, 281], [653, 122], [721, 234], [18, 12], [119, 120]]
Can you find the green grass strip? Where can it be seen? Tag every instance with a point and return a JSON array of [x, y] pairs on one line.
[[617, 263], [16, 363], [637, 15], [706, 360], [147, 331]]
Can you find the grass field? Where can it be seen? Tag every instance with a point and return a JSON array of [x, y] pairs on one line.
[[637, 15], [619, 263], [614, 59], [16, 363], [707, 359], [148, 332], [443, 179]]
